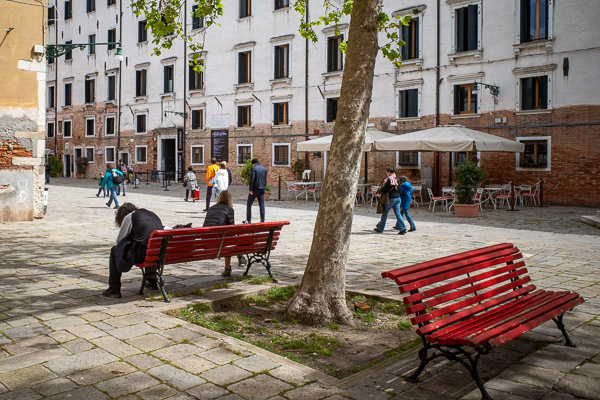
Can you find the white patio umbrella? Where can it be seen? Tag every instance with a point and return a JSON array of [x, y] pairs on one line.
[[324, 143], [448, 138]]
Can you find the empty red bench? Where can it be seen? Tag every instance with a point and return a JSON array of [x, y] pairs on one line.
[[477, 300], [195, 244]]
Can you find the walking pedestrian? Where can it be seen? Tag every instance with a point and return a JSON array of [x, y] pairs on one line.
[[191, 184], [406, 192], [100, 189], [211, 171], [109, 183], [125, 171], [256, 187], [221, 179], [136, 225], [390, 187]]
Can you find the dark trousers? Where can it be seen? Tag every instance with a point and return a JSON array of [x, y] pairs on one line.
[[260, 195], [187, 193], [114, 276], [208, 196], [47, 177]]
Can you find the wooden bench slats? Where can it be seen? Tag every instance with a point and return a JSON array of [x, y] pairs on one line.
[[393, 274], [435, 326], [487, 320], [469, 301], [412, 282], [528, 312], [199, 255], [215, 243], [469, 289], [501, 339], [417, 297]]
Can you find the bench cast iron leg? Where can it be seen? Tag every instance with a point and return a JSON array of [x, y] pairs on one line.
[[423, 357], [161, 286], [141, 292], [561, 326]]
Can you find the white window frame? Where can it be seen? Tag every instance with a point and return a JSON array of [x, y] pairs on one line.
[[408, 85], [530, 72], [477, 52], [86, 127], [201, 146], [548, 43], [402, 13], [285, 99], [418, 166], [113, 74], [93, 160], [240, 50], [237, 151], [53, 129], [276, 42], [144, 113], [289, 146], [242, 103], [203, 112], [522, 139], [53, 86], [136, 154], [465, 80], [114, 117], [344, 35], [88, 78], [327, 97], [106, 160], [70, 121], [164, 64], [81, 150]]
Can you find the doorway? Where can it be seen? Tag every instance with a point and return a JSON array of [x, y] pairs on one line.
[[125, 157], [67, 165], [169, 158], [78, 154]]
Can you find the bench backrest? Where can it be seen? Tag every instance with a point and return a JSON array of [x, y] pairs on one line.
[[192, 244], [461, 285]]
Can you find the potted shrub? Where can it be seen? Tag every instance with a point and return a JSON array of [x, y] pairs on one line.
[[297, 168], [267, 193], [82, 164], [467, 175], [56, 167]]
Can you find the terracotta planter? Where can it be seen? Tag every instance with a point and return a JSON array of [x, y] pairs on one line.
[[79, 175], [267, 196], [466, 210]]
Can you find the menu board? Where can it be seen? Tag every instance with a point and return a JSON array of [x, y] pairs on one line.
[[219, 144]]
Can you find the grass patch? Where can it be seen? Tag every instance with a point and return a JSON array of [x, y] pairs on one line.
[[391, 307], [256, 280], [222, 285], [313, 344], [198, 292], [367, 318], [334, 326], [404, 325]]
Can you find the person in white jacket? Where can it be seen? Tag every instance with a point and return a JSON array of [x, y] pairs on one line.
[[221, 179], [191, 184]]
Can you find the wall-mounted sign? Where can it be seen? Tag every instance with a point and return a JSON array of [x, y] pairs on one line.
[[219, 144]]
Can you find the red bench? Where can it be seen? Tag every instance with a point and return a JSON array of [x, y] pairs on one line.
[[478, 299], [194, 244]]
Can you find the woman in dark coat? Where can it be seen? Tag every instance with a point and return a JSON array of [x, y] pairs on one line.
[[222, 214]]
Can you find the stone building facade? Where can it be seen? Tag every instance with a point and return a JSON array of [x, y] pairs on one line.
[[265, 88], [22, 110]]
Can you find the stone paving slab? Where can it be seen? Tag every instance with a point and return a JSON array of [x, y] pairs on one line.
[[60, 339]]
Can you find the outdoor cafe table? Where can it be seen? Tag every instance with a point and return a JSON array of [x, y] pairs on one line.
[[305, 187], [491, 191]]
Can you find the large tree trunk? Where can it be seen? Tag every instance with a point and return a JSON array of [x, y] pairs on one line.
[[321, 297]]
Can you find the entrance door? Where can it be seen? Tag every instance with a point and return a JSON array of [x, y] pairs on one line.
[[125, 158], [169, 157], [67, 166], [78, 154]]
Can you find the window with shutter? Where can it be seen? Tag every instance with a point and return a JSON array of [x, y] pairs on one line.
[[534, 93], [197, 120], [467, 28], [534, 20], [68, 88], [244, 69], [112, 37], [465, 101], [245, 8], [335, 57], [168, 79], [244, 116], [409, 103], [197, 21], [140, 82], [281, 61], [142, 31], [196, 80], [332, 104], [410, 35], [280, 113]]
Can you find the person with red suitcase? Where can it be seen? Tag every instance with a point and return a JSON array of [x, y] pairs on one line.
[[191, 184]]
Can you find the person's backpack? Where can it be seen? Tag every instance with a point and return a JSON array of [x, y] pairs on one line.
[[117, 179]]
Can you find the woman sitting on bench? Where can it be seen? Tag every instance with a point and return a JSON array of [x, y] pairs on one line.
[[222, 214]]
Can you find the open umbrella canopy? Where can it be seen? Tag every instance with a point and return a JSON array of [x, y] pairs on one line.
[[448, 138], [324, 143]]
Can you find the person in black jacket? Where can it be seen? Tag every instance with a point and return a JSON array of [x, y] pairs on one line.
[[390, 185], [258, 183], [136, 226], [222, 214]]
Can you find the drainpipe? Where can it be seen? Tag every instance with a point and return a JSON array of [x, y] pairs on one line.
[[437, 156], [56, 93], [185, 87], [120, 77], [306, 44]]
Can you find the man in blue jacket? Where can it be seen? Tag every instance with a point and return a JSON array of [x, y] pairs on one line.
[[258, 183], [110, 184], [406, 192]]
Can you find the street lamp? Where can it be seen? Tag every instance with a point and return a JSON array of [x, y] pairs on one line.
[[494, 90], [57, 50]]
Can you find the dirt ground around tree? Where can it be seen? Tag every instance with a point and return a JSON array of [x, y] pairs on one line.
[[338, 350]]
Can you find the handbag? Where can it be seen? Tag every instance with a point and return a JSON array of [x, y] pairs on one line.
[[184, 184], [212, 181]]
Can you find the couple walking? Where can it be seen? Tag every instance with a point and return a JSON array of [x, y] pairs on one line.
[[399, 196]]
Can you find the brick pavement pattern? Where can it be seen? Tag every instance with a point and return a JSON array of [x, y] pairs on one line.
[[60, 339]]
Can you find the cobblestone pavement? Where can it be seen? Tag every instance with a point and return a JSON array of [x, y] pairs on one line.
[[59, 339]]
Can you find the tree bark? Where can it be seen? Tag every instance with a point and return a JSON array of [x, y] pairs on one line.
[[321, 297]]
